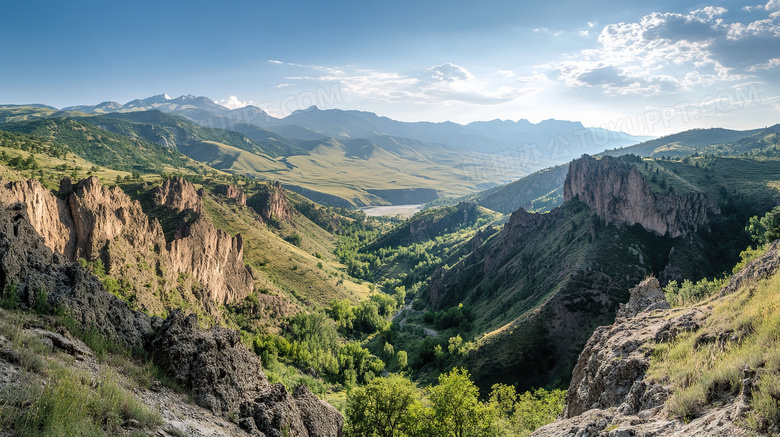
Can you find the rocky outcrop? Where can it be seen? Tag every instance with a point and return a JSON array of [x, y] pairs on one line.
[[277, 414], [41, 277], [214, 364], [610, 369], [213, 257], [619, 194], [271, 201], [221, 373], [611, 394], [48, 214], [227, 378], [760, 268], [645, 297], [97, 222], [231, 192], [178, 194], [103, 216]]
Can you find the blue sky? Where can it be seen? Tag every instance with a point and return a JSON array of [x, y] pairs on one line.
[[644, 67]]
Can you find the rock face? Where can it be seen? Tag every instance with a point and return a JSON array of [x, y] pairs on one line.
[[610, 369], [222, 374], [619, 194], [271, 201], [39, 275], [47, 213], [214, 258], [610, 394], [104, 216], [231, 192], [178, 194], [645, 297], [96, 222], [277, 414], [218, 368]]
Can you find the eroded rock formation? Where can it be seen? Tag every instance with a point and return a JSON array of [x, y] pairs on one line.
[[97, 222], [178, 194], [231, 192], [271, 201], [610, 393], [619, 194], [221, 373]]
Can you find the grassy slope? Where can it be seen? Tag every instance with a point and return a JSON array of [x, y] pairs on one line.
[[683, 143], [753, 179], [523, 192], [281, 267], [746, 325]]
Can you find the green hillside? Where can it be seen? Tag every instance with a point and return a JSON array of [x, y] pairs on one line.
[[102, 147]]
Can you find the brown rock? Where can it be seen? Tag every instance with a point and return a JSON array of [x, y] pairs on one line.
[[271, 201], [214, 364], [231, 192], [619, 194], [179, 194]]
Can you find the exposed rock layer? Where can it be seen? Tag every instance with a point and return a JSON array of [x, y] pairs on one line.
[[96, 222], [619, 194], [222, 374], [610, 394]]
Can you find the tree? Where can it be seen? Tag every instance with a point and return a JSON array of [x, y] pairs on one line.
[[457, 411], [766, 229], [402, 360], [385, 407], [388, 350]]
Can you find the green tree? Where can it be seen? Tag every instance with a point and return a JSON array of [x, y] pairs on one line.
[[403, 360], [388, 350], [385, 407], [457, 411], [766, 229]]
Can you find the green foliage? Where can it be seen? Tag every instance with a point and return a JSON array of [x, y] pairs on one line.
[[691, 292], [456, 408], [457, 316], [393, 407], [385, 407], [10, 296], [99, 146], [535, 409], [402, 359], [766, 229], [294, 239], [73, 403]]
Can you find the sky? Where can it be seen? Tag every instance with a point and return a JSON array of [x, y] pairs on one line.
[[646, 68]]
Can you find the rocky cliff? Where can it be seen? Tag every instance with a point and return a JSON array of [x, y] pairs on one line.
[[619, 193], [231, 192], [178, 194], [271, 203], [611, 392], [220, 372], [95, 222]]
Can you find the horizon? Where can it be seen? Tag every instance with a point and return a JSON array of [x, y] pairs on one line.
[[650, 69]]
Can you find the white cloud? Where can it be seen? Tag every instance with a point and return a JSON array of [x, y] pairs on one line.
[[671, 51], [774, 7], [232, 102], [274, 61], [591, 24], [282, 85], [584, 33], [443, 83]]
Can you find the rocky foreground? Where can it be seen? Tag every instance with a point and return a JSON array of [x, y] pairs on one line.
[[221, 374], [611, 393]]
